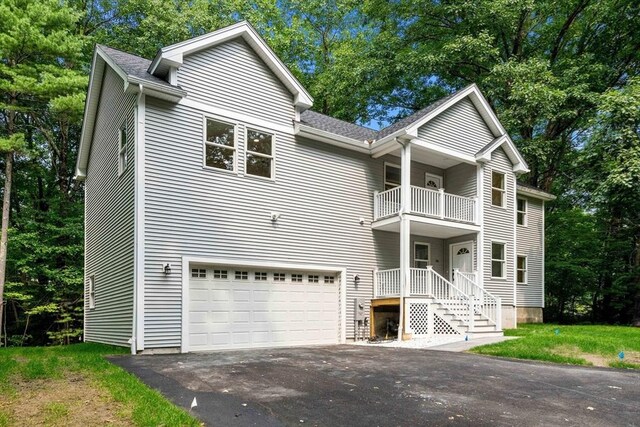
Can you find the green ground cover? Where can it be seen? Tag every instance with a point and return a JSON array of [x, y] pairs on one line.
[[76, 385], [576, 345]]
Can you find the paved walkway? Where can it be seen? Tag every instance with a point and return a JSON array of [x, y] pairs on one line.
[[373, 386], [460, 346]]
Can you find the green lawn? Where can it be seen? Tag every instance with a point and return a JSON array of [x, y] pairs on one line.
[[575, 345], [76, 385]]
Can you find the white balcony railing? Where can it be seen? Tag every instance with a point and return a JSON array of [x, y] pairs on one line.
[[426, 202]]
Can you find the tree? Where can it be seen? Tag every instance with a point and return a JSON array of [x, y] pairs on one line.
[[40, 53], [542, 64]]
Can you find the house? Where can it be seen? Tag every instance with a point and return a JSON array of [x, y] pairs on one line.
[[222, 212]]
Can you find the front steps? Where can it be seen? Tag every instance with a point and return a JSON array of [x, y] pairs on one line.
[[429, 317]]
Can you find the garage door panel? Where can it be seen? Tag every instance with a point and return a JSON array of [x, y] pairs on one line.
[[247, 313]]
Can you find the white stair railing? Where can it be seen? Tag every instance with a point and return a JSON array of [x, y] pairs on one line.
[[487, 305], [449, 296]]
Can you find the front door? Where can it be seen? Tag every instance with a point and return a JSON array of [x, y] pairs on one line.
[[461, 257]]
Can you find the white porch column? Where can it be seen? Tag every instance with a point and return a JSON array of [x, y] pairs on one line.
[[405, 233]]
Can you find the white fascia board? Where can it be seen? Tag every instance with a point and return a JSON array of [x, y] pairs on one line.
[[535, 194], [174, 55], [413, 128], [90, 108], [519, 164], [132, 84], [331, 138]]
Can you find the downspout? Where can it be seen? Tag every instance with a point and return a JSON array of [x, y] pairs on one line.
[[138, 256], [405, 234]]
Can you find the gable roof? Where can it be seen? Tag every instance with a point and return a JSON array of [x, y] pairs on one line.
[[173, 56], [132, 70], [504, 141], [402, 123], [132, 65]]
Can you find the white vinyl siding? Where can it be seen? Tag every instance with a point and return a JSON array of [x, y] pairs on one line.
[[232, 77], [529, 243], [193, 211], [461, 180], [460, 128], [499, 224], [109, 217]]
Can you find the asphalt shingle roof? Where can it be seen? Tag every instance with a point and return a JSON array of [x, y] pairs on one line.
[[350, 130], [137, 66], [339, 127], [133, 65]]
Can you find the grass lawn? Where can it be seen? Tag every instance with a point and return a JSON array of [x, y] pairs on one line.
[[75, 385], [575, 345]]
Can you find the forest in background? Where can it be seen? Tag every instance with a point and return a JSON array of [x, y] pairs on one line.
[[563, 78]]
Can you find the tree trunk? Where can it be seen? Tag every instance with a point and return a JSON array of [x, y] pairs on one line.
[[636, 280], [6, 202]]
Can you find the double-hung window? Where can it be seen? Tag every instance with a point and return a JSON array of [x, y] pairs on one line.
[[220, 145], [420, 255], [522, 212], [497, 189], [498, 258], [122, 150], [521, 268], [92, 292], [259, 161], [391, 176]]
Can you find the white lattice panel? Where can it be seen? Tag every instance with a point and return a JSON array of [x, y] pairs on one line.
[[441, 327], [419, 318]]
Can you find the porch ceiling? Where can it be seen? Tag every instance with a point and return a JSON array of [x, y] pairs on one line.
[[430, 157], [429, 227]]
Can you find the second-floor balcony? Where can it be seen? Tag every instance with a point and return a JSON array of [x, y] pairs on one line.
[[426, 202]]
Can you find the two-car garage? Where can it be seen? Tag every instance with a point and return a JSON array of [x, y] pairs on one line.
[[238, 306]]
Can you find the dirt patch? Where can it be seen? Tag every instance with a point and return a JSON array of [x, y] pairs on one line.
[[594, 359], [72, 401]]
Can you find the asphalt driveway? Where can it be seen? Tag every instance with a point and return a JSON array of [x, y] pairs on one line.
[[373, 386]]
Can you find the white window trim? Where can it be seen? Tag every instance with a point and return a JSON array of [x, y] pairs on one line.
[[92, 292], [205, 143], [526, 269], [272, 157], [123, 155], [384, 177], [525, 222], [504, 260], [502, 190], [428, 245], [433, 175]]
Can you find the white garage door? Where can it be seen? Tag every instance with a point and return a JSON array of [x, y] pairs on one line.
[[244, 308]]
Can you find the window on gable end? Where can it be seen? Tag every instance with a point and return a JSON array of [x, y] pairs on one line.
[[220, 145], [260, 158]]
